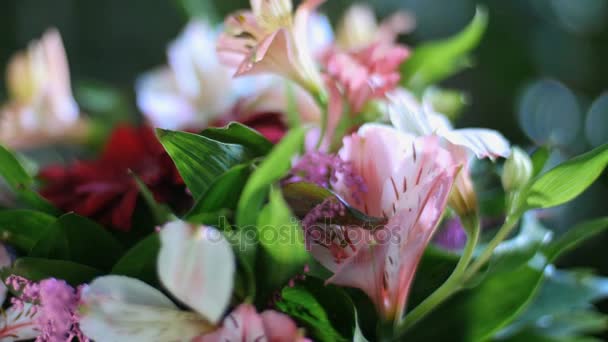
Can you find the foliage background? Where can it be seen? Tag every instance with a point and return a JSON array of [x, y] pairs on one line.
[[537, 42]]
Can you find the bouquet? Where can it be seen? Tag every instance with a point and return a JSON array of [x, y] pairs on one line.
[[285, 182]]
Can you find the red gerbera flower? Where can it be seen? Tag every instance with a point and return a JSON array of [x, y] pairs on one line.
[[105, 189]]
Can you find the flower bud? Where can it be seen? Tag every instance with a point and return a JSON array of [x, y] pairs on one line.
[[517, 170], [463, 198]]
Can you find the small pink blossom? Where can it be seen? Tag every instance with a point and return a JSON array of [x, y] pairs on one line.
[[367, 73]]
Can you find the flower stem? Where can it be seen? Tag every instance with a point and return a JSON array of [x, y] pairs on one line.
[[451, 285], [502, 234]]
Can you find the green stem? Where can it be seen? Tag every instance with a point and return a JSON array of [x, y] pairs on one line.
[[502, 234], [321, 100], [451, 285]]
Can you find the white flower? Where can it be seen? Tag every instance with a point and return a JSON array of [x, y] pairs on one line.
[[195, 264], [408, 115]]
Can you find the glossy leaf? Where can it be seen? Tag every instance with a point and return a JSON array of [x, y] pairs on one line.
[[21, 183], [37, 269], [201, 160], [271, 170], [236, 133], [282, 240], [568, 180], [78, 239], [434, 61], [24, 228], [467, 315], [539, 159], [325, 311], [140, 261], [224, 193]]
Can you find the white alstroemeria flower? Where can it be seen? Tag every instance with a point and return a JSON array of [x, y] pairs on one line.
[[409, 115], [194, 88], [195, 264]]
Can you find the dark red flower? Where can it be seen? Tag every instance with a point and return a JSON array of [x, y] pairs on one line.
[[105, 189]]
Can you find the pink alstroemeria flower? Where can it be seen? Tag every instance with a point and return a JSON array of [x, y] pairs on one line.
[[41, 108], [245, 324], [367, 73], [413, 117], [408, 181], [270, 39]]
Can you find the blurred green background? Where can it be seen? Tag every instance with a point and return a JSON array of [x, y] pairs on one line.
[[539, 73]]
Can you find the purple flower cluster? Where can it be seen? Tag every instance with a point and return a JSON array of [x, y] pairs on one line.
[[55, 304]]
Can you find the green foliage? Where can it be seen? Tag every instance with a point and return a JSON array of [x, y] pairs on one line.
[[326, 312], [24, 228], [37, 269], [236, 133], [568, 180], [271, 170], [140, 261], [282, 241], [434, 61], [482, 310], [201, 160], [77, 239], [21, 183]]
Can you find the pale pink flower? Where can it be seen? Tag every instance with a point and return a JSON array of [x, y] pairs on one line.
[[245, 324], [367, 73], [41, 108], [270, 39], [407, 182], [359, 27], [413, 117]]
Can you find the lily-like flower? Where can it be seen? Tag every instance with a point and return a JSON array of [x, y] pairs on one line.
[[359, 27], [411, 116], [194, 88], [270, 39], [196, 265], [407, 181], [41, 108], [408, 115]]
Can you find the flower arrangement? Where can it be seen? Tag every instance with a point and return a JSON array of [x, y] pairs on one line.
[[288, 183]]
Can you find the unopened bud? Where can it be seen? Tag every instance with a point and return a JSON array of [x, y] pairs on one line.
[[517, 170], [463, 198]]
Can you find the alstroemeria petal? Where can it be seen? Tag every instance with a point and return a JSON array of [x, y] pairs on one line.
[[485, 143], [406, 114], [19, 324], [197, 265], [117, 308]]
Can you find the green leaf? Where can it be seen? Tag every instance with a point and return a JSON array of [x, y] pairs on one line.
[[201, 160], [21, 183], [78, 239], [236, 133], [224, 193], [24, 228], [160, 212], [37, 269], [326, 312], [302, 197], [539, 159], [568, 180], [572, 313], [478, 313], [271, 170], [434, 61], [434, 269], [140, 261], [282, 240]]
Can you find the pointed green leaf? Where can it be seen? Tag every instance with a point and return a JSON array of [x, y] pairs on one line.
[[236, 133], [568, 180], [201, 160], [140, 261], [78, 239], [21, 183], [24, 228], [432, 62]]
